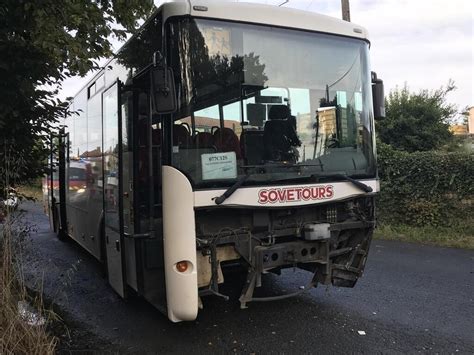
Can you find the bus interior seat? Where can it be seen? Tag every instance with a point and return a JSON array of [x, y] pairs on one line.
[[187, 126], [256, 114], [204, 140], [279, 134], [226, 140], [181, 136]]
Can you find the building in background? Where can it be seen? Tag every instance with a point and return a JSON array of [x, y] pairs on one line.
[[459, 129], [466, 129]]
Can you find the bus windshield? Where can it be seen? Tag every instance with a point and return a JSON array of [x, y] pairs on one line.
[[268, 103]]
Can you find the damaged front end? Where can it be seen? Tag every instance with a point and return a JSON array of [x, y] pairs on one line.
[[331, 241]]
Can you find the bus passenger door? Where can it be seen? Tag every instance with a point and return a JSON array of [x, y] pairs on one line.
[[113, 204], [62, 161], [56, 185]]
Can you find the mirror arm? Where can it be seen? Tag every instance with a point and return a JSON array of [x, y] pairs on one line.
[[158, 59], [373, 77], [160, 62]]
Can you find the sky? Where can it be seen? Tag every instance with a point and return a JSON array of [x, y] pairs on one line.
[[420, 43]]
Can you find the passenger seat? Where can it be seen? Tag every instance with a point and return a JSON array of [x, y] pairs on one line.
[[181, 136], [226, 140], [280, 134], [204, 140]]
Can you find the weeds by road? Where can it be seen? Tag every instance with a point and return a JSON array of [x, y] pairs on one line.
[[32, 191], [23, 319], [460, 236]]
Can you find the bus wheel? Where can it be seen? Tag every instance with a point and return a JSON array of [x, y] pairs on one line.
[[62, 236], [103, 251], [60, 232]]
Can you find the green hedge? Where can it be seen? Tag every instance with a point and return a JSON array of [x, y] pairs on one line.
[[426, 188]]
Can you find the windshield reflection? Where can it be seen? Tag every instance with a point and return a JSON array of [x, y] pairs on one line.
[[266, 99]]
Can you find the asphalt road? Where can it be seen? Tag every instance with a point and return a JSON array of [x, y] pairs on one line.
[[411, 299]]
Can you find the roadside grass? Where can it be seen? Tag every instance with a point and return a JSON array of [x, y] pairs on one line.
[[459, 236], [31, 191], [23, 319], [16, 336]]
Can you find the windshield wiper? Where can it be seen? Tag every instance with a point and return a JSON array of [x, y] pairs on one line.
[[220, 199], [280, 165], [357, 183]]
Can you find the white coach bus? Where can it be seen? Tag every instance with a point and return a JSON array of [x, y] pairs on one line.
[[222, 134]]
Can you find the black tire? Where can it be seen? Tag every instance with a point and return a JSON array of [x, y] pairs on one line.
[[60, 232], [62, 235], [103, 251]]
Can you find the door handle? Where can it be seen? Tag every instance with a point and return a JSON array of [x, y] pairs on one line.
[[137, 236], [117, 245]]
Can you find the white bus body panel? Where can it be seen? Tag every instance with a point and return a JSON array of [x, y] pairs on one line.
[[179, 244], [287, 195], [264, 15]]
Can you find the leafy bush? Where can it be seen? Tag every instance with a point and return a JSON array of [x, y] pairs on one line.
[[417, 121], [425, 188]]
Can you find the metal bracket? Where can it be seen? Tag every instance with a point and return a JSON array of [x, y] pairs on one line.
[[210, 291], [214, 284], [247, 292]]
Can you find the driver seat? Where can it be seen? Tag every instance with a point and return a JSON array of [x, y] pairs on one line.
[[279, 135]]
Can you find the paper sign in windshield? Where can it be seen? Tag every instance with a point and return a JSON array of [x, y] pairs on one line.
[[219, 166]]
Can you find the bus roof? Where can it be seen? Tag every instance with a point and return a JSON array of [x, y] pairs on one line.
[[265, 15]]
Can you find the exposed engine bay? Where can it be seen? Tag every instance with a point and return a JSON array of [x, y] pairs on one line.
[[329, 240]]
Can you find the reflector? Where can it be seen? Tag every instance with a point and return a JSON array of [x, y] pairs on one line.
[[182, 266]]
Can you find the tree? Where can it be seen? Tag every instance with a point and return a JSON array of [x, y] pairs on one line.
[[417, 121], [41, 44], [465, 116]]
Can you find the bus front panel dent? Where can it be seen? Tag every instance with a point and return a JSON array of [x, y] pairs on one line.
[[179, 242]]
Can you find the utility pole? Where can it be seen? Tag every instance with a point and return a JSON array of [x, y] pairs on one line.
[[346, 10]]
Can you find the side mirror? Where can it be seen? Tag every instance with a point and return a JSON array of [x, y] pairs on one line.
[[163, 90], [378, 97]]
